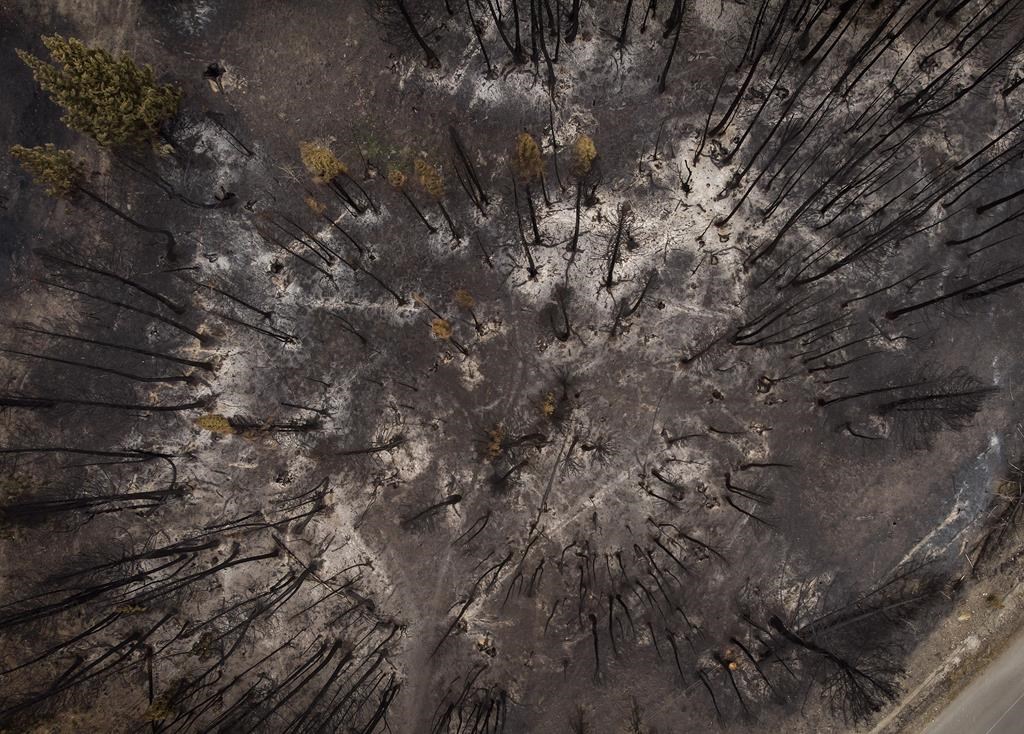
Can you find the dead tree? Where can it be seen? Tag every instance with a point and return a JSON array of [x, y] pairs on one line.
[[432, 60]]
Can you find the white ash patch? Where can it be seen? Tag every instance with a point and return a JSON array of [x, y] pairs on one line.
[[469, 373], [972, 496], [230, 81], [802, 597], [193, 17], [209, 139]]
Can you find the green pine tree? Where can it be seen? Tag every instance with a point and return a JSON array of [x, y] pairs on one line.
[[58, 170], [111, 99], [61, 173]]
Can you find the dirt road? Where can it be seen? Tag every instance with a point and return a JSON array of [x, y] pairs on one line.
[[993, 703]]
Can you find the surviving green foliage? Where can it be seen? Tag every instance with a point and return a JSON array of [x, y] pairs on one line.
[[56, 169], [111, 99]]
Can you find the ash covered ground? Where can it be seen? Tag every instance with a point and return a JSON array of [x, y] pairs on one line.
[[708, 434]]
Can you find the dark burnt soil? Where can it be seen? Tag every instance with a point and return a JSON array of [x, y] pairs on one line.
[[355, 469]]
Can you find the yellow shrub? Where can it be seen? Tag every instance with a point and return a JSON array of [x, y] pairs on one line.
[[215, 423]]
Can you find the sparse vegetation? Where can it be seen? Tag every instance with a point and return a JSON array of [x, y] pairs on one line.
[[609, 454]]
